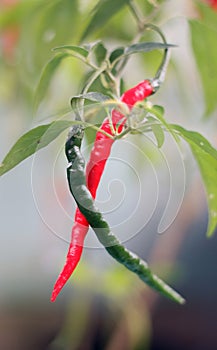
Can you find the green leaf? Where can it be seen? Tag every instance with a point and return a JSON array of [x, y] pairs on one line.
[[197, 139], [104, 10], [99, 50], [158, 112], [46, 77], [203, 38], [91, 45], [91, 96], [100, 53], [77, 49], [121, 53], [116, 53], [157, 131], [31, 142], [206, 157], [145, 47], [115, 61]]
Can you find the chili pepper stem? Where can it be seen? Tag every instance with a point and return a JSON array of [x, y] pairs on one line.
[[123, 133], [136, 13]]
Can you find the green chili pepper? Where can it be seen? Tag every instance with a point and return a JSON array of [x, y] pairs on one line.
[[85, 203], [80, 226]]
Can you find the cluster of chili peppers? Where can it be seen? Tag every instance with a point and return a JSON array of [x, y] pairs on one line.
[[83, 186], [98, 157]]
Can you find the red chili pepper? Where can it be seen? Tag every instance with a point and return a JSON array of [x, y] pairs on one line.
[[79, 231], [102, 146], [138, 93], [98, 157]]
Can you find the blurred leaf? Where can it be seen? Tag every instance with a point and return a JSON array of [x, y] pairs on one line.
[[99, 50], [203, 37], [31, 142], [100, 53], [50, 26], [145, 47], [18, 12], [104, 10], [197, 139], [91, 96], [91, 45], [119, 57], [120, 53], [77, 49], [206, 157], [157, 131], [116, 53], [158, 112], [118, 63], [47, 75]]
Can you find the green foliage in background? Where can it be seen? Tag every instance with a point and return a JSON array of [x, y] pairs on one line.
[[203, 36]]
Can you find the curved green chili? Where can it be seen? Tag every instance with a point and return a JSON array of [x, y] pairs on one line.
[[85, 203]]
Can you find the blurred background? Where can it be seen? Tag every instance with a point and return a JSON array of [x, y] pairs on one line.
[[154, 199]]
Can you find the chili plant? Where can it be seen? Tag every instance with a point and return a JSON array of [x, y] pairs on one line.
[[106, 68]]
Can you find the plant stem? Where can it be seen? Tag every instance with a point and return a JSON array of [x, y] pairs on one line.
[[137, 14], [116, 84], [125, 132], [86, 88]]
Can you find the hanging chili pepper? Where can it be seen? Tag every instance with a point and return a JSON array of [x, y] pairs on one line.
[[98, 157], [77, 184], [102, 145]]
